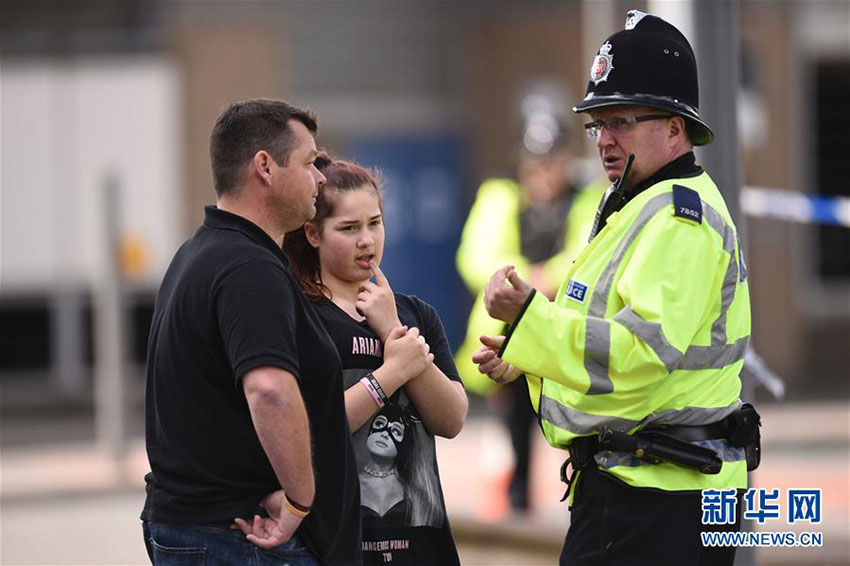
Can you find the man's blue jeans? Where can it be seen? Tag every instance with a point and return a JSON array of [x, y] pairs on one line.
[[197, 545]]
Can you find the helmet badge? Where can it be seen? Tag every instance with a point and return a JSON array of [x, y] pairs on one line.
[[602, 64], [633, 18]]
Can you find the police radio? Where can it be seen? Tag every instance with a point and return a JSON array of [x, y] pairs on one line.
[[612, 200]]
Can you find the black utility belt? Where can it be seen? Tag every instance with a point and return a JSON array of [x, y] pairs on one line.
[[674, 443]]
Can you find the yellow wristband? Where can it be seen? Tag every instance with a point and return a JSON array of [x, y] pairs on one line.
[[294, 508]]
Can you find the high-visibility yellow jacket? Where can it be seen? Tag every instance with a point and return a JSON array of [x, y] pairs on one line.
[[491, 239], [649, 327]]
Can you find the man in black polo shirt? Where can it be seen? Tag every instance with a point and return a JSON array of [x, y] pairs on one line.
[[245, 417]]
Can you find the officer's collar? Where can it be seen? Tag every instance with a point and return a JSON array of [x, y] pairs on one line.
[[682, 167]]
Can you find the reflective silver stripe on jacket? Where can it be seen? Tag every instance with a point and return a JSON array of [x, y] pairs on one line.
[[598, 338], [719, 354], [608, 459], [598, 334], [597, 345], [580, 423]]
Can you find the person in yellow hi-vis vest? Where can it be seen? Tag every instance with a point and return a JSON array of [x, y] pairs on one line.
[[538, 222], [634, 368]]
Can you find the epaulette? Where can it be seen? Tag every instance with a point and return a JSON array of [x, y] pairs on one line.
[[687, 204]]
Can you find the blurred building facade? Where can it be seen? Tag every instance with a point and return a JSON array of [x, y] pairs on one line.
[[428, 91]]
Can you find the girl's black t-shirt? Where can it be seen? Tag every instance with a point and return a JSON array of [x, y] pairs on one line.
[[413, 530]]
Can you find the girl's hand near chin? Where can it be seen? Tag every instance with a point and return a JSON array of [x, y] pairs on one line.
[[376, 302]]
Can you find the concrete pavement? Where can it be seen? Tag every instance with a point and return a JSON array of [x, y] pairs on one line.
[[805, 445]]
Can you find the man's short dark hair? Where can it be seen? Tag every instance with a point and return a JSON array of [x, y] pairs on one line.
[[246, 127]]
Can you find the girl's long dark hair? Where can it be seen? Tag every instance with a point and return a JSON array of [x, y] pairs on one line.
[[342, 177]]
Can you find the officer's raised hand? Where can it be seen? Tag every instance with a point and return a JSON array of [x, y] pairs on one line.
[[489, 363], [505, 294]]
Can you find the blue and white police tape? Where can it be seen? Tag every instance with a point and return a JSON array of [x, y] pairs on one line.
[[795, 207]]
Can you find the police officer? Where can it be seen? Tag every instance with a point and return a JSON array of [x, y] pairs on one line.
[[634, 368], [538, 221]]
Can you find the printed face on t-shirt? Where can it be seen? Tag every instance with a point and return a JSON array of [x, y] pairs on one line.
[[385, 436], [352, 236]]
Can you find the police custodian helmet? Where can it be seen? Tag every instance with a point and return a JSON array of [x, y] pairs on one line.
[[650, 63]]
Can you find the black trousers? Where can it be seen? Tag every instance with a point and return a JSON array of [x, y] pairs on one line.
[[521, 420], [614, 524]]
